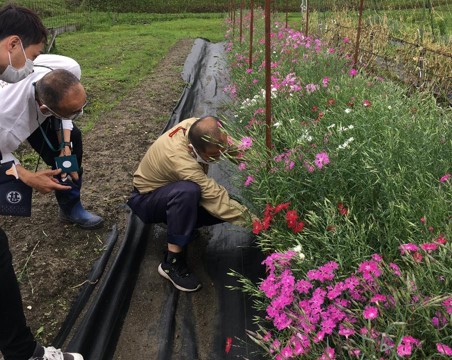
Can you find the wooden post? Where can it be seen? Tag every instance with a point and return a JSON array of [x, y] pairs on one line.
[[307, 18], [233, 20], [358, 33], [241, 21], [287, 14], [268, 80], [250, 61]]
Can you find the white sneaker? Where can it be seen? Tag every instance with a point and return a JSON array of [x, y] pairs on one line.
[[50, 353]]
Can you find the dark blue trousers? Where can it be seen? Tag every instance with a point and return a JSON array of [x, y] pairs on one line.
[[177, 205], [16, 339]]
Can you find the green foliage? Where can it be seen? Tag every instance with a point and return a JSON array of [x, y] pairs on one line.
[[382, 186]]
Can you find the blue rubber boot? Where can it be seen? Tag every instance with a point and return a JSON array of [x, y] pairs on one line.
[[72, 210]]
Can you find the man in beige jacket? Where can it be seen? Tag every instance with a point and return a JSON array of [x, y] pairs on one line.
[[171, 186]]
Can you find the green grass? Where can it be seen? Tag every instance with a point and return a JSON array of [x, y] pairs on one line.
[[115, 58]]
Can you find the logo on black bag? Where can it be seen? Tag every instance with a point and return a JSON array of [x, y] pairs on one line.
[[14, 197]]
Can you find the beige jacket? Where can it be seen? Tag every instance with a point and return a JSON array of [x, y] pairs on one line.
[[168, 160]]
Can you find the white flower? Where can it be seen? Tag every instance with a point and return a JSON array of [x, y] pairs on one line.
[[350, 127], [274, 93], [348, 110], [389, 107], [277, 124], [304, 137], [331, 126], [298, 249], [291, 120], [346, 143]]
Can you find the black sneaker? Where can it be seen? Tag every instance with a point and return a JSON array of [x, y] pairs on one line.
[[175, 270]]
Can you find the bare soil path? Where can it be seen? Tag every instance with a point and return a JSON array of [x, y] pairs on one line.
[[53, 260]]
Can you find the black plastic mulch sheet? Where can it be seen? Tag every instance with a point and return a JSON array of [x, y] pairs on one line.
[[136, 314]]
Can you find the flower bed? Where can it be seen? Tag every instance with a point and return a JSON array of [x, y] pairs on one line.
[[354, 204]]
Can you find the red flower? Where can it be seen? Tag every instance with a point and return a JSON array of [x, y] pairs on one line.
[[291, 224], [228, 345], [298, 227], [331, 101], [282, 206], [257, 227], [367, 103], [321, 114], [331, 228], [342, 209], [269, 210], [417, 256], [314, 108], [291, 215], [266, 222], [440, 239]]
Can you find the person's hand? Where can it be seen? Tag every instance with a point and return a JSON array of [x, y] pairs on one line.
[[66, 151], [43, 181]]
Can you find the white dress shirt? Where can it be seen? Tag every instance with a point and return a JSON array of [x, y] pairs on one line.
[[19, 112]]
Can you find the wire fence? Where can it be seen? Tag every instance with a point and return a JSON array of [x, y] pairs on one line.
[[407, 40]]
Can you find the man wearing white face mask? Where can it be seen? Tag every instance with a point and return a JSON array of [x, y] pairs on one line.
[[13, 74], [171, 186], [22, 38]]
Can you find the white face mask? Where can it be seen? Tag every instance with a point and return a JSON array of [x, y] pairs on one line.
[[13, 75], [200, 159]]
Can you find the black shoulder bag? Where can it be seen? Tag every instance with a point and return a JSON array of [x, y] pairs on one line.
[[15, 195]]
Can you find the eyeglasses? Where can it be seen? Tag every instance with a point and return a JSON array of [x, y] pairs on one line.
[[73, 116]]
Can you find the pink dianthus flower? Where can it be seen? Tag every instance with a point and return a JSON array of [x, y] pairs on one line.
[[444, 349], [370, 312]]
